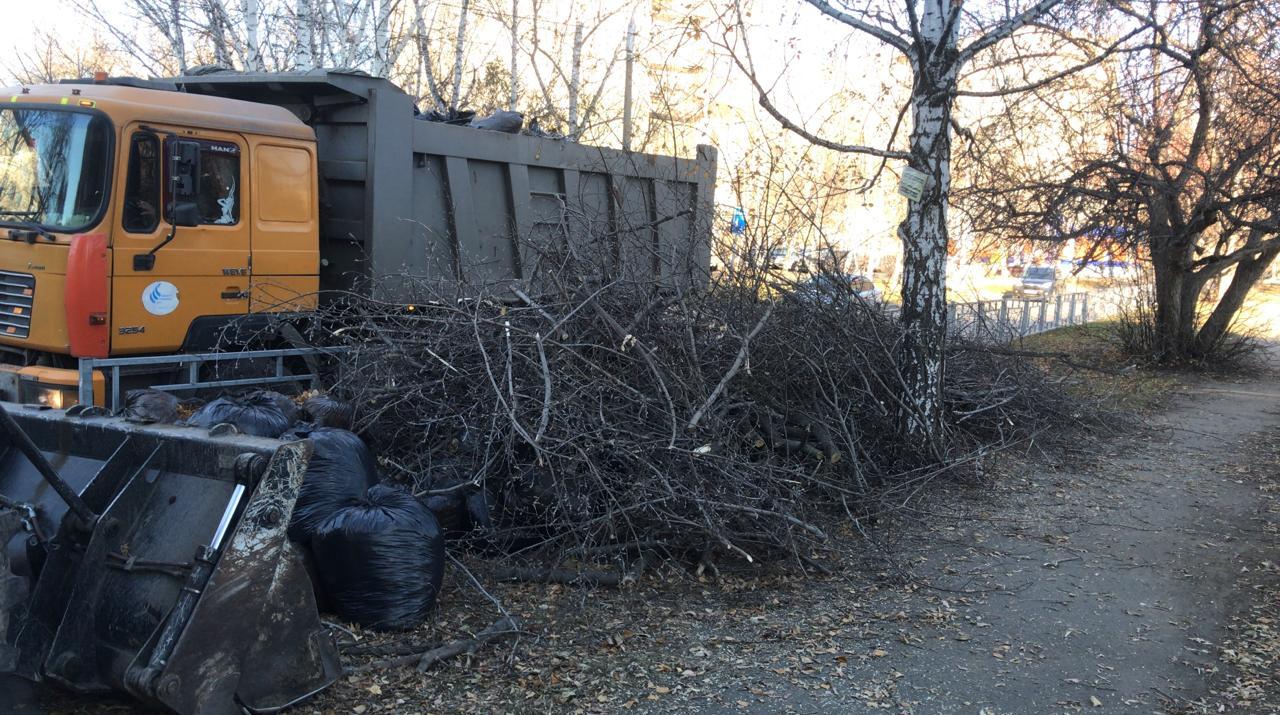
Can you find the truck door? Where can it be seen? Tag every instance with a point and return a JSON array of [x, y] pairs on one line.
[[286, 257], [199, 280]]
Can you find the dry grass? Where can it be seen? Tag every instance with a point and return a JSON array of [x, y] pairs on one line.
[[1118, 382]]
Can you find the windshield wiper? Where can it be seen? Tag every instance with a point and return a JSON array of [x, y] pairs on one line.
[[31, 228]]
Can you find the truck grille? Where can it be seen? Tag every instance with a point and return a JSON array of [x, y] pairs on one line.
[[17, 293]]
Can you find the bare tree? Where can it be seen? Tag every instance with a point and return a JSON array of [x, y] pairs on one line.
[[425, 55], [1181, 162], [937, 38], [569, 84], [52, 58]]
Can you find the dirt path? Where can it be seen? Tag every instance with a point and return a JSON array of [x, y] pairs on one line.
[[1135, 576], [1111, 587]]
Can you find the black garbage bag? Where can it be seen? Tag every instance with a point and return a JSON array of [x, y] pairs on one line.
[[284, 403], [148, 406], [478, 510], [449, 510], [341, 470], [500, 121], [299, 430], [259, 416], [381, 559], [533, 504], [462, 507], [325, 411], [454, 116]]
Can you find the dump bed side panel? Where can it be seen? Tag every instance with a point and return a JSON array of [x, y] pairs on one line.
[[491, 208], [415, 210]]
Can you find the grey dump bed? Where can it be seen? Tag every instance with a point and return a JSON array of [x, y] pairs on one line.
[[466, 211]]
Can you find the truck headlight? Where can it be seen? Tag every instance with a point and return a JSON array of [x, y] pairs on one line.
[[58, 398], [56, 388]]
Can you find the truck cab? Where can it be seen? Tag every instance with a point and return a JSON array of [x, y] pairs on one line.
[[136, 219]]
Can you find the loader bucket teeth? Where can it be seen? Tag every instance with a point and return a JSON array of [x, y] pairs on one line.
[[186, 591]]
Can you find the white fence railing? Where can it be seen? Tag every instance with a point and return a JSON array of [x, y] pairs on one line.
[[1008, 319]]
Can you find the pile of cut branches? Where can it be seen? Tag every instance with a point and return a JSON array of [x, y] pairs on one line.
[[598, 416]]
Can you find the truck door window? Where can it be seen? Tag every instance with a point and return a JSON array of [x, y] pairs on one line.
[[219, 198], [142, 185]]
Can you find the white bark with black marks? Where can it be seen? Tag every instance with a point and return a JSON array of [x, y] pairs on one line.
[[175, 36], [253, 46], [382, 50], [575, 81], [459, 51], [924, 231], [304, 21]]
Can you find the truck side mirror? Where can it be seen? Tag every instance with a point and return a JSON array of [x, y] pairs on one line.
[[184, 178], [184, 188], [185, 213]]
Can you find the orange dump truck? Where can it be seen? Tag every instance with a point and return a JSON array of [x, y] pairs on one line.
[[141, 218]]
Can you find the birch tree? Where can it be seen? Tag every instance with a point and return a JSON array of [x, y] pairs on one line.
[[304, 23], [253, 47], [570, 86], [937, 39]]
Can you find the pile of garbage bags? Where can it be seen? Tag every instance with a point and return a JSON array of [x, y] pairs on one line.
[[376, 551]]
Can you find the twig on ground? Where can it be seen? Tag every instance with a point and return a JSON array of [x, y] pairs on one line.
[[564, 576], [501, 629]]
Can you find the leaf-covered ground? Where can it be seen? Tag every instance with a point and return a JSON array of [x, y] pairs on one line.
[[1134, 573]]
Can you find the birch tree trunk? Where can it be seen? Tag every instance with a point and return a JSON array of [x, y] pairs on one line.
[[425, 57], [927, 35], [179, 45], [575, 81], [218, 26], [382, 39], [253, 54], [459, 49], [924, 230], [303, 57]]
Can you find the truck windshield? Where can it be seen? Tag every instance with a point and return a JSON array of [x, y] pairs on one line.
[[1041, 273], [53, 167]]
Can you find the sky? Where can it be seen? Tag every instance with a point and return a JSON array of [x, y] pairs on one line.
[[21, 19]]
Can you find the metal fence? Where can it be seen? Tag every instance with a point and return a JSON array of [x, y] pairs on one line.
[[1008, 319], [189, 365]]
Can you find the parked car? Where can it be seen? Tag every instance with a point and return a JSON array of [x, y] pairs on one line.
[[1037, 283], [825, 287], [780, 257]]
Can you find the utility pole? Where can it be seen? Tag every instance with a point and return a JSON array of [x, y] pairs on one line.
[[575, 77], [626, 99], [515, 46]]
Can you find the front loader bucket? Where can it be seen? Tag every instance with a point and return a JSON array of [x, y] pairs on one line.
[[159, 566]]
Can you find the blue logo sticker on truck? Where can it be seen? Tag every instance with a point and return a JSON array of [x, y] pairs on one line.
[[160, 298]]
